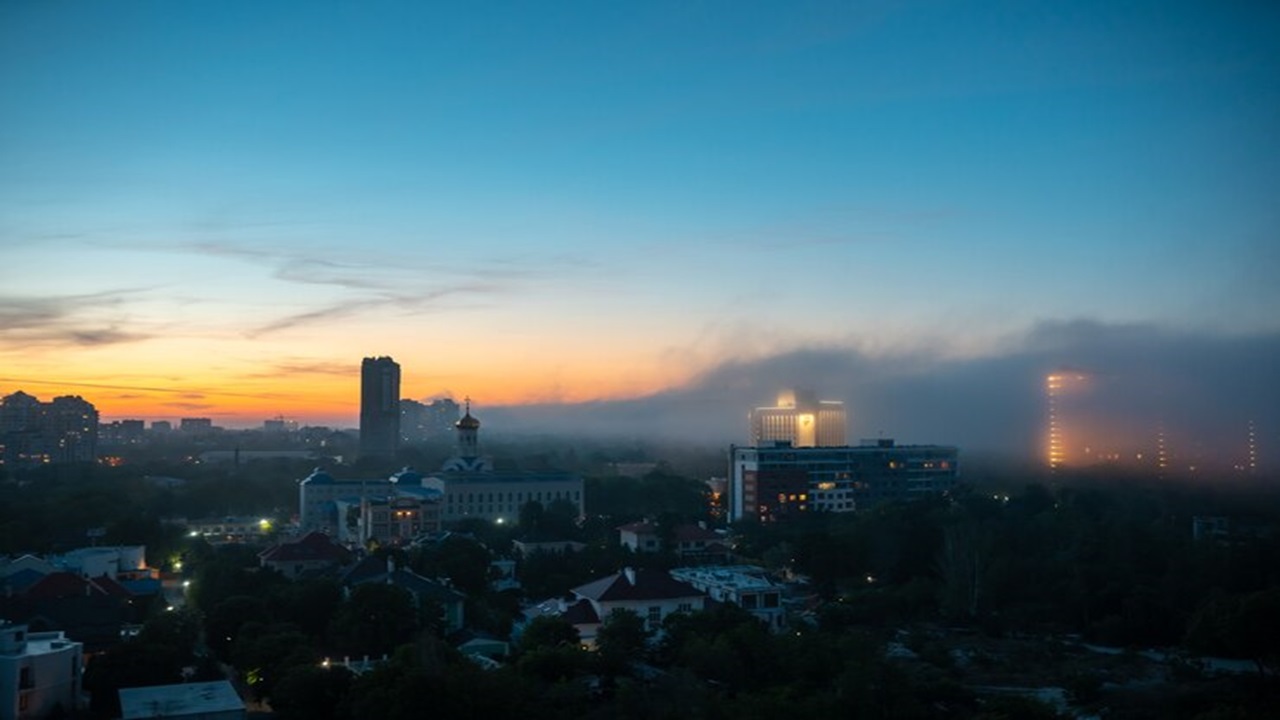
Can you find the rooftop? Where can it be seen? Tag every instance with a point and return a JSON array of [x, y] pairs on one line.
[[176, 701]]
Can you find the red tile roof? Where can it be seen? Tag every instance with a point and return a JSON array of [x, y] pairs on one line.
[[314, 546]]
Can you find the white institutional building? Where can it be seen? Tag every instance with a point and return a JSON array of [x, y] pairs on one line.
[[467, 486]]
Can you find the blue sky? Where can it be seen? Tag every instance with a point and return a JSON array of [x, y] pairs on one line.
[[605, 199]]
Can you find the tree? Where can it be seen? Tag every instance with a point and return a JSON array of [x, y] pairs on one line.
[[620, 641], [548, 631], [310, 692], [374, 621]]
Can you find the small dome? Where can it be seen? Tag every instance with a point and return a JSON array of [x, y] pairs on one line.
[[318, 477], [468, 423]]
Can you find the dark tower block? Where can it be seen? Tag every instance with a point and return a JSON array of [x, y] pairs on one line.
[[379, 407]]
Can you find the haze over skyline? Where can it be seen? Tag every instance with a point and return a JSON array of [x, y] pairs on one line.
[[218, 209]]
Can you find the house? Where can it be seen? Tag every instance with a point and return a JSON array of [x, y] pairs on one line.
[[421, 589], [39, 672], [187, 701], [651, 594], [314, 552], [690, 542], [88, 611]]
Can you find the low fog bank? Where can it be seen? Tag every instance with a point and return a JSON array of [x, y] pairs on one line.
[[1200, 390]]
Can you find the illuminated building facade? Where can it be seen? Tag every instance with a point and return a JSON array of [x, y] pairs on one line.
[[1062, 445], [379, 407], [774, 482], [800, 419]]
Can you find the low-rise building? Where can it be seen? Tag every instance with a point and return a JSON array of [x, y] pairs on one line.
[[778, 481], [651, 594], [187, 701], [689, 541], [39, 672], [315, 552], [747, 586]]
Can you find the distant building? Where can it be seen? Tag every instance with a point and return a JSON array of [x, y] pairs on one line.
[[161, 427], [800, 419], [432, 422], [689, 541], [390, 510], [63, 430], [39, 672], [471, 488], [121, 432], [774, 482], [379, 407], [215, 700]]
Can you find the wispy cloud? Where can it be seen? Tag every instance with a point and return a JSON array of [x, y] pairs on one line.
[[409, 304], [67, 320]]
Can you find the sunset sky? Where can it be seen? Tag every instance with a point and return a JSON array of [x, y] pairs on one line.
[[218, 208]]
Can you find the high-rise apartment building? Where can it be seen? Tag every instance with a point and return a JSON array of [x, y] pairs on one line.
[[379, 407], [800, 419], [33, 432]]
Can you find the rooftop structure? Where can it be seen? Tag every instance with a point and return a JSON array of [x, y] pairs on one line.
[[203, 701], [746, 586]]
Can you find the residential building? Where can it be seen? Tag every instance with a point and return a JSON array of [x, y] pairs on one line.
[[428, 422], [747, 586], [772, 482], [379, 407], [39, 672], [422, 590], [63, 430], [314, 553], [689, 541], [215, 700], [651, 594], [800, 419]]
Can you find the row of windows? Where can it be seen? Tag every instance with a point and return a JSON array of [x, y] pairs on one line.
[[518, 497]]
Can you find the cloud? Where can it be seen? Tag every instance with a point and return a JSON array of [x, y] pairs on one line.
[[189, 405], [409, 304], [66, 320], [306, 367], [1200, 389]]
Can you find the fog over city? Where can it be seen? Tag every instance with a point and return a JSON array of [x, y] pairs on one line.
[[1202, 388]]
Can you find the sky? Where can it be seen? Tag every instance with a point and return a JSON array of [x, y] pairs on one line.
[[217, 209]]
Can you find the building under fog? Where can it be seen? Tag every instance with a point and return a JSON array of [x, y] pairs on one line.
[[395, 509], [801, 420], [778, 480]]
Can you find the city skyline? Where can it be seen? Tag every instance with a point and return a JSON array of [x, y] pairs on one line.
[[216, 211]]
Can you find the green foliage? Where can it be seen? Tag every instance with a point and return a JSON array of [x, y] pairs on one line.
[[548, 631], [310, 692], [374, 621], [620, 641]]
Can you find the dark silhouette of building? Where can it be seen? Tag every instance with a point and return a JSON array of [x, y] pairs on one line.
[[33, 432], [379, 407]]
